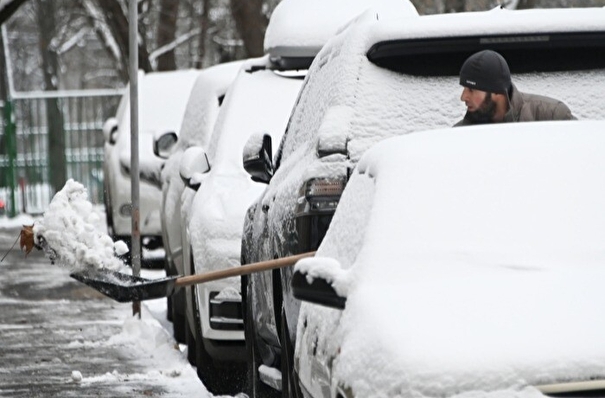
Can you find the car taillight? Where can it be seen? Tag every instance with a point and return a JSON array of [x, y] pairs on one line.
[[323, 194], [317, 202]]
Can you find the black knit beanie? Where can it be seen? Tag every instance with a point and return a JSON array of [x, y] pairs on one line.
[[486, 71]]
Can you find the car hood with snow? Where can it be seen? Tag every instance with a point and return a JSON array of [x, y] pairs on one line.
[[471, 259]]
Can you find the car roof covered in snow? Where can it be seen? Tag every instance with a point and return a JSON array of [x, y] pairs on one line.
[[299, 28], [498, 21]]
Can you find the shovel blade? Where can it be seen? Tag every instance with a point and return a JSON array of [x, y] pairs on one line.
[[126, 288]]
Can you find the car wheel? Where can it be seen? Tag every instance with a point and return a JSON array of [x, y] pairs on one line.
[[191, 343], [289, 386], [109, 219], [169, 308], [179, 318], [108, 213], [255, 388], [220, 378]]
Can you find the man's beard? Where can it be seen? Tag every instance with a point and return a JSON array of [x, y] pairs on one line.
[[485, 113]]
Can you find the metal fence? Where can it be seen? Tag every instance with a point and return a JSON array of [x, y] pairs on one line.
[[45, 135]]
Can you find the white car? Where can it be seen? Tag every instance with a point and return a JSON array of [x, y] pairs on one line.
[[257, 104], [198, 121], [259, 100], [462, 262], [162, 100], [381, 77]]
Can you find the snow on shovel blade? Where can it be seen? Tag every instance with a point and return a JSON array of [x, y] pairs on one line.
[[125, 288]]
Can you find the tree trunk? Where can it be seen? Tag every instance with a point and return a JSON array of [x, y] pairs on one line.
[[251, 24], [526, 4], [455, 5], [57, 165], [118, 24], [204, 24], [167, 33]]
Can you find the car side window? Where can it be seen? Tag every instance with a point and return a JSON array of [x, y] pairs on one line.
[[278, 155]]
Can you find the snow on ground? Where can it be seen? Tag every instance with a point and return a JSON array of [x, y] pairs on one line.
[[16, 222], [73, 225], [148, 335]]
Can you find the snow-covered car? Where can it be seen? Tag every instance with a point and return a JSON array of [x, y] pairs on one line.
[[198, 121], [382, 77], [259, 100], [462, 261], [162, 100]]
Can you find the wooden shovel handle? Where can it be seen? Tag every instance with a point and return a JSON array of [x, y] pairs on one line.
[[243, 270]]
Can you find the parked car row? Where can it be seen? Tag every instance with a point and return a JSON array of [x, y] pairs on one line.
[[156, 116], [458, 261]]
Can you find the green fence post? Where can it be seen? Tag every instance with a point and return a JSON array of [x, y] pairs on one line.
[[11, 146]]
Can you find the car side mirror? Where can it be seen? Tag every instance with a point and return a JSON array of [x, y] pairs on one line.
[[258, 158], [194, 161], [110, 130], [164, 145], [318, 291]]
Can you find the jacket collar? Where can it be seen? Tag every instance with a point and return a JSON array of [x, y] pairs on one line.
[[516, 103]]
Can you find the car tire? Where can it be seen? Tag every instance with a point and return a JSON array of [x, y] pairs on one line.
[[191, 344], [109, 220], [289, 387], [255, 387], [108, 213], [169, 308], [179, 319]]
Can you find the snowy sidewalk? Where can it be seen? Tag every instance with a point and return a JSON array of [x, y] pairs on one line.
[[59, 338]]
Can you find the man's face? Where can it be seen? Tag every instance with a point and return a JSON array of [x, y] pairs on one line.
[[480, 107]]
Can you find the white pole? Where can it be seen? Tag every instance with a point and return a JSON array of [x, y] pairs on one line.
[[134, 143]]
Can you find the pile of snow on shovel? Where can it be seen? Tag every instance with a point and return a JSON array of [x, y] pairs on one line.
[[69, 235]]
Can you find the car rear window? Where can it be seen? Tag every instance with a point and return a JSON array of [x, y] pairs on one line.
[[524, 53]]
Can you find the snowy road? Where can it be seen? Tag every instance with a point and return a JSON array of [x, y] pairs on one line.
[[59, 338]]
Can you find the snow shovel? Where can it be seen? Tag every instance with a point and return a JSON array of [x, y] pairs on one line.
[[125, 288]]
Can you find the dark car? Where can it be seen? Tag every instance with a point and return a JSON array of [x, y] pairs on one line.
[[378, 78]]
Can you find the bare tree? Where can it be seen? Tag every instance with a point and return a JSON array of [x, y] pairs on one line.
[[114, 16], [251, 24], [524, 4], [167, 33], [54, 116], [204, 23], [455, 5]]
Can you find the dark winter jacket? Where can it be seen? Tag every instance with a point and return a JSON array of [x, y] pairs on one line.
[[531, 108]]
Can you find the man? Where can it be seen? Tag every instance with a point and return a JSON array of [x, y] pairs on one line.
[[491, 97]]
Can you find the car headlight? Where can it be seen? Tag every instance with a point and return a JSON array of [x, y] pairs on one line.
[[126, 210]]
